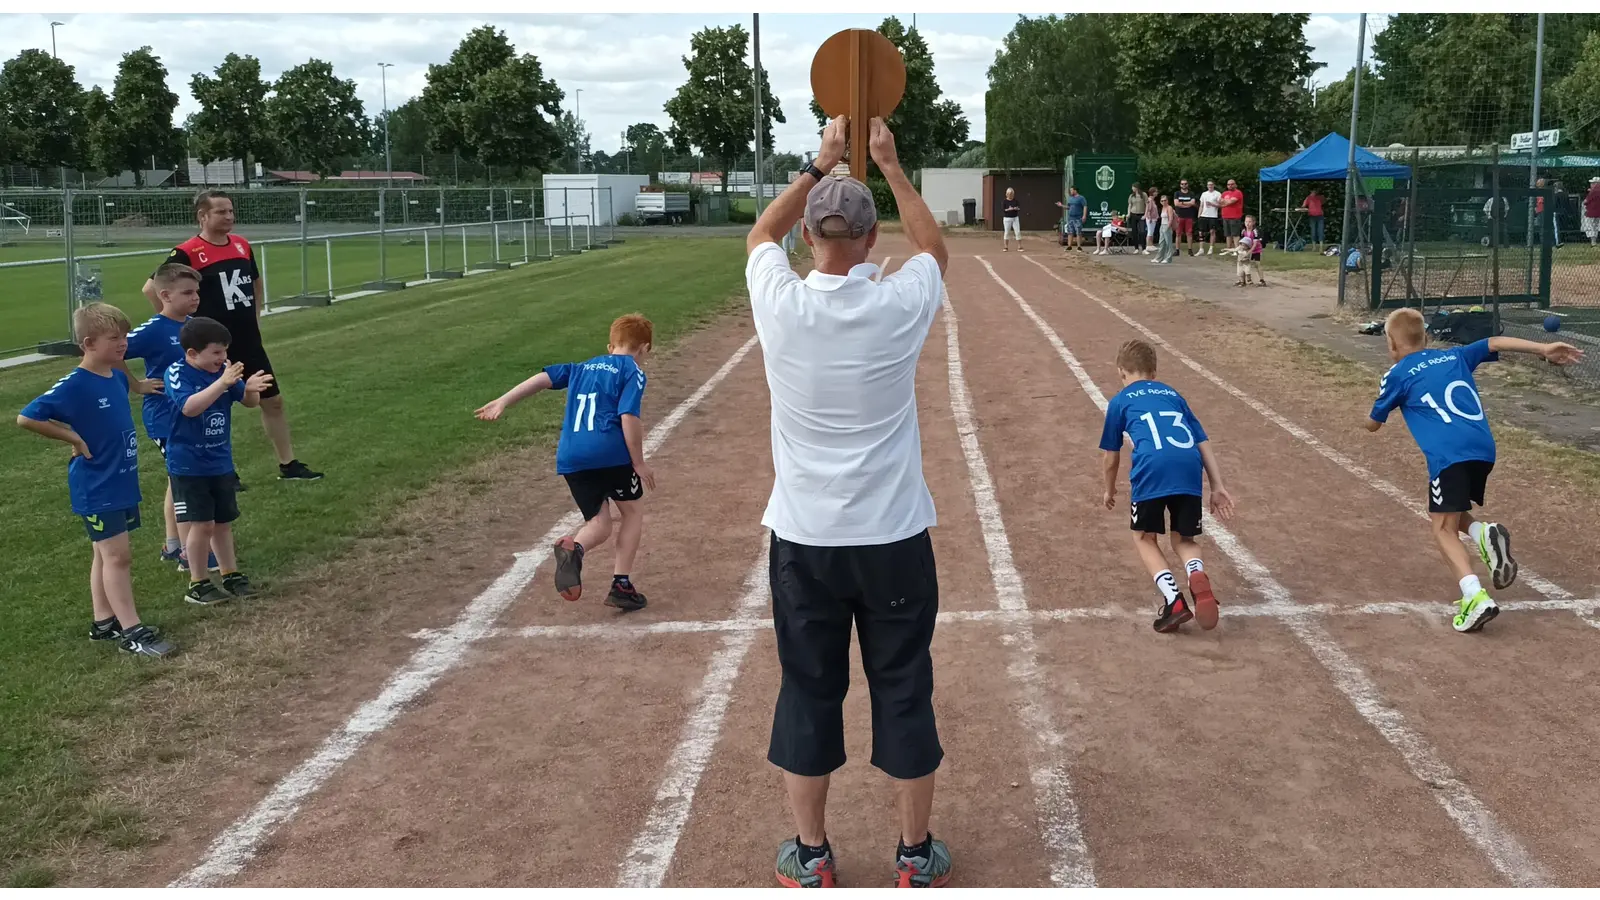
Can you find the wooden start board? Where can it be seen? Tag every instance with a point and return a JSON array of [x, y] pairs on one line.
[[858, 73]]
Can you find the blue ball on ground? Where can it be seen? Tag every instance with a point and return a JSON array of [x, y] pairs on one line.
[[1552, 323]]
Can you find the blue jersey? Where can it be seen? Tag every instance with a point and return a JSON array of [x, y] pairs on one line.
[[1435, 393], [599, 393], [203, 444], [156, 342], [96, 407], [1166, 440]]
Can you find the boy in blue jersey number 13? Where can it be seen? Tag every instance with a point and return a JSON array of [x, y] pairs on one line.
[[1170, 450], [1435, 392], [88, 410], [600, 454]]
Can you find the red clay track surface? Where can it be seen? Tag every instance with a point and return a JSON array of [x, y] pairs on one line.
[[1311, 739]]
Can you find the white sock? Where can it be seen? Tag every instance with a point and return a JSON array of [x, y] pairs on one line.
[[1470, 587], [1195, 565], [1475, 531], [1167, 584]]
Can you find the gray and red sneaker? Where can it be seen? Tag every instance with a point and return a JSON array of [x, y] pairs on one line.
[[1172, 615], [626, 598], [569, 569], [1205, 602]]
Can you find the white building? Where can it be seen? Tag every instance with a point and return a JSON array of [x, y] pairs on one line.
[[603, 198], [945, 189]]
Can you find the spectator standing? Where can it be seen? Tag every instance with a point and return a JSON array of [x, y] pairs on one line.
[[1210, 209], [1012, 221], [1152, 219], [1136, 206], [1232, 214], [1168, 217], [1559, 200], [1591, 212], [1313, 209], [1186, 209], [1076, 206]]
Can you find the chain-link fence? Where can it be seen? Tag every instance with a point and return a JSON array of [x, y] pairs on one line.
[[59, 250]]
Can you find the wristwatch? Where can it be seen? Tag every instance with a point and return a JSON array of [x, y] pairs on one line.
[[811, 169]]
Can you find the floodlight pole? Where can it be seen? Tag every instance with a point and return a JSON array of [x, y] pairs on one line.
[[1538, 96], [1350, 162], [388, 161], [755, 78]]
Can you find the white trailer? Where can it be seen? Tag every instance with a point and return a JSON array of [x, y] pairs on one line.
[[661, 206]]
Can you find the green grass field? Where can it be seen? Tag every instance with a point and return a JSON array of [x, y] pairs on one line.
[[380, 392], [33, 299]]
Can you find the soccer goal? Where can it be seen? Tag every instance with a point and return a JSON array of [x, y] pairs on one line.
[[12, 218]]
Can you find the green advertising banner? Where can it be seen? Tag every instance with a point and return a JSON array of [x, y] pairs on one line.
[[1104, 180]]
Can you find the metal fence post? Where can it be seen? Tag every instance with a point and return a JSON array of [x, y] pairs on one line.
[[305, 254], [72, 265]]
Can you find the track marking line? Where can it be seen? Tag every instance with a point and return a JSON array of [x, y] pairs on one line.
[[1059, 824], [1475, 820], [1427, 610], [233, 849], [1549, 589], [653, 847]]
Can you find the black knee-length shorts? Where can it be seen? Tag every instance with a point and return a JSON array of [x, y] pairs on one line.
[[890, 593]]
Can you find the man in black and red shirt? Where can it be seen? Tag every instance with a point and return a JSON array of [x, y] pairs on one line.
[[229, 286]]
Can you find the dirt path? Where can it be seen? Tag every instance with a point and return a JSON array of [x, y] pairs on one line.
[[1340, 746]]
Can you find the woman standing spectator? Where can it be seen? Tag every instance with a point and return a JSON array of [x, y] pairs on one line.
[[1591, 212], [1168, 215], [1152, 219], [1012, 220], [1314, 213], [1136, 206]]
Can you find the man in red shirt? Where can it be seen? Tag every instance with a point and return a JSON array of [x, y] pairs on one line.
[[1232, 214], [1591, 212], [230, 292]]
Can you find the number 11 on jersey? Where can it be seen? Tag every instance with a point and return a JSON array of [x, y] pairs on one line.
[[584, 401]]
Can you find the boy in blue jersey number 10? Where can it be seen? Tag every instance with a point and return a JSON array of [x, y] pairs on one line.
[[1170, 450], [1435, 392], [88, 410], [600, 454]]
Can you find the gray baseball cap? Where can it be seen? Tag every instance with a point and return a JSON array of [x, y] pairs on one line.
[[846, 198]]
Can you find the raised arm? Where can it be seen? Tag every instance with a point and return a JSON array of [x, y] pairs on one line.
[[1557, 352], [492, 410], [782, 213], [915, 216]]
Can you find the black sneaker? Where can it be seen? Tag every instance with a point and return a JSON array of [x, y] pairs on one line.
[[238, 585], [1173, 614], [204, 593], [142, 640], [569, 569], [295, 470], [109, 630], [626, 599]]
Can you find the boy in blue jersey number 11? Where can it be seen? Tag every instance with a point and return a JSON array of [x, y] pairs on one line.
[[88, 410], [1435, 392], [1170, 450], [600, 454]]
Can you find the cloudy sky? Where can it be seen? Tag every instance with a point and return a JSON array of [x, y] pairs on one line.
[[626, 65]]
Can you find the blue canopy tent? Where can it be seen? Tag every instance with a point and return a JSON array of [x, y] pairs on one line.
[[1328, 160]]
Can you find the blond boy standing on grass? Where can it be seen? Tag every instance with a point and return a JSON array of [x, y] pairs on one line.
[[88, 410]]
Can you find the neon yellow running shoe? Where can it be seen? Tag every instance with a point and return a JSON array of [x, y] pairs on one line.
[[1475, 612], [1494, 546]]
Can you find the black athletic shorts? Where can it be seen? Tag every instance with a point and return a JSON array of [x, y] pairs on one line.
[[1233, 227], [254, 357], [1210, 225], [1150, 516], [206, 498], [890, 592], [591, 488], [1459, 486]]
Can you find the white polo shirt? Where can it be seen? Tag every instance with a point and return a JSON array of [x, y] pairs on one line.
[[841, 360], [1211, 204]]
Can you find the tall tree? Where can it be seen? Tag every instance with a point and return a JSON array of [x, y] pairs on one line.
[[1053, 91], [316, 117], [573, 142], [141, 110], [1576, 97], [41, 112], [101, 137], [647, 145], [489, 104], [713, 111], [1244, 70], [232, 121], [924, 126], [409, 130]]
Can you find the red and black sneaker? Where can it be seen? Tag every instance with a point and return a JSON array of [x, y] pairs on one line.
[[1205, 603], [1173, 614], [569, 569], [625, 597]]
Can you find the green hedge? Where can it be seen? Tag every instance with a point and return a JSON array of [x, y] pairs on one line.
[[1163, 170]]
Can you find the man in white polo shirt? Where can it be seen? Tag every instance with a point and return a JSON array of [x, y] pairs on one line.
[[849, 510]]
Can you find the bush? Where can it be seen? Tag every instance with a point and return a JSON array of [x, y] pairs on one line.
[[627, 220], [883, 198]]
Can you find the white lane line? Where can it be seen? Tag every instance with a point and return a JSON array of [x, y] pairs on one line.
[[1549, 589], [653, 847], [1059, 824], [1472, 817], [442, 651]]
